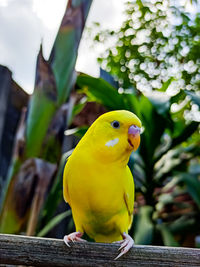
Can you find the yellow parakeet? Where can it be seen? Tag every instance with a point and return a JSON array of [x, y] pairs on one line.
[[97, 182]]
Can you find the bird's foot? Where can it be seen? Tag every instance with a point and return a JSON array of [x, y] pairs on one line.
[[73, 237], [126, 244]]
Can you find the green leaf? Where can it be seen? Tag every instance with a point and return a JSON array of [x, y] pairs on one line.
[[195, 98], [154, 126], [132, 103], [39, 118], [166, 84], [144, 226], [167, 236], [42, 107], [79, 131], [64, 53], [101, 91], [13, 169], [195, 168], [162, 106], [76, 109], [185, 134], [53, 222], [173, 161], [182, 224], [176, 98], [193, 186], [55, 196]]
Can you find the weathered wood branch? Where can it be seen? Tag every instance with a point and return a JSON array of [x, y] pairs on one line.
[[33, 251]]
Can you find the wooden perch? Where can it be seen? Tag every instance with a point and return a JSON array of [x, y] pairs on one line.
[[34, 251]]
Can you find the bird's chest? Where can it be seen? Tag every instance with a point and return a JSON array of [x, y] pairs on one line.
[[96, 189]]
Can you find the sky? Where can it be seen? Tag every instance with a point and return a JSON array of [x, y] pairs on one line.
[[24, 24]]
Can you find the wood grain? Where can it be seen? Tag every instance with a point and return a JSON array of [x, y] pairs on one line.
[[34, 251]]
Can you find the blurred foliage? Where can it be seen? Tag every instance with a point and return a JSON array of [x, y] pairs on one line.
[[38, 147], [157, 44], [165, 168], [156, 37]]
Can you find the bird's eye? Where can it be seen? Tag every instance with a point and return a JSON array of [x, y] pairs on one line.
[[115, 124]]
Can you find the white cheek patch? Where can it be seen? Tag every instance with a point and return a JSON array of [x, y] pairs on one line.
[[112, 142]]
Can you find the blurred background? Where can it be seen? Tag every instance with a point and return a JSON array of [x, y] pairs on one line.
[[64, 63]]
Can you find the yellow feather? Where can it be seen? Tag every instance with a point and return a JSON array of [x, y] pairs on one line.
[[97, 182]]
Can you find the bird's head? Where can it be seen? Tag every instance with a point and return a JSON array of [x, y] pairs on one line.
[[114, 135]]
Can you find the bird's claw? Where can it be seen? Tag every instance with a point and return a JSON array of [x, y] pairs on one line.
[[73, 237], [126, 244]]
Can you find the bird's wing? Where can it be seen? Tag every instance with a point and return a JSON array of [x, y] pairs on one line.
[[129, 203], [129, 195], [65, 183]]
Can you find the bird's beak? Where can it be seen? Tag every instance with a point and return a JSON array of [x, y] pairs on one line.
[[134, 136]]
